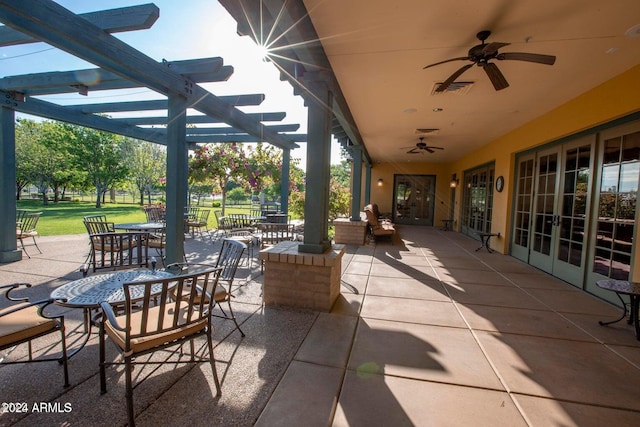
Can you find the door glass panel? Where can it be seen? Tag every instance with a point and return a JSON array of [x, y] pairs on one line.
[[414, 196], [544, 213], [478, 200], [617, 206], [576, 183]]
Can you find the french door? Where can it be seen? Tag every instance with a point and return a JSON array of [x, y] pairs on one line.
[[552, 205], [413, 199]]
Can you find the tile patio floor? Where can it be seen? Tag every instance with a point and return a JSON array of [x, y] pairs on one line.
[[427, 332]]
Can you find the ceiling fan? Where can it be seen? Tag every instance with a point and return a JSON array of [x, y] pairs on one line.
[[422, 146], [481, 55]]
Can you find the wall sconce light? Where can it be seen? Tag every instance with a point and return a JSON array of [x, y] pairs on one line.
[[380, 182], [454, 181]]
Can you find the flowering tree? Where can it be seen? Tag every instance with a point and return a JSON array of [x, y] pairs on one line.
[[217, 164], [262, 167]]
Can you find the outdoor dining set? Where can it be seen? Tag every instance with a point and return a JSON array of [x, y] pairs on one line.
[[131, 297]]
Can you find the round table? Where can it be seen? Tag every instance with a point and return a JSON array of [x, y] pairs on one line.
[[87, 293], [624, 287]]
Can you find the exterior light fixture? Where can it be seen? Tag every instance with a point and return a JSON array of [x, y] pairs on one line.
[[454, 181], [380, 182]]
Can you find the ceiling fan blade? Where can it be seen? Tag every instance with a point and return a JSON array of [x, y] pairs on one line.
[[453, 78], [529, 57], [490, 48], [496, 77], [413, 151], [436, 148], [429, 149], [462, 58]]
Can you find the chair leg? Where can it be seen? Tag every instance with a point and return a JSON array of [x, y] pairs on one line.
[[129, 391], [64, 359], [23, 248], [212, 360], [103, 375], [36, 243], [233, 317]]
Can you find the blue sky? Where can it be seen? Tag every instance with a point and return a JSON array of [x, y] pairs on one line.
[[185, 30]]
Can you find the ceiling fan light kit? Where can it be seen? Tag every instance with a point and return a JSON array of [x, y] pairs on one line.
[[482, 53]]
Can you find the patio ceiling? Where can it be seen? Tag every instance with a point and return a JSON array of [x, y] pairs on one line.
[[122, 67], [377, 49]]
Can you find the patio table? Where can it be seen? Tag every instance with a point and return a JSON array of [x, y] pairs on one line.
[[87, 293], [484, 239], [624, 287], [141, 226]]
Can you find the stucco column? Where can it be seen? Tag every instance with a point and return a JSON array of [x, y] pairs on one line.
[[8, 246], [319, 101], [356, 182], [177, 175], [367, 185]]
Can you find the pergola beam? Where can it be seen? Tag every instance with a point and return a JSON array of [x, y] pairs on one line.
[[231, 130], [297, 137], [118, 20], [52, 111], [159, 104], [198, 70], [49, 22], [162, 120]]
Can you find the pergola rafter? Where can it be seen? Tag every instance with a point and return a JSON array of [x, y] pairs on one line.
[[121, 67]]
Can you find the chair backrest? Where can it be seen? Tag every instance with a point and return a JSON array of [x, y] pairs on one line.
[[203, 215], [192, 211], [162, 315], [223, 222], [239, 220], [155, 213], [372, 218], [273, 232], [229, 258], [98, 226], [29, 221], [20, 214], [114, 250]]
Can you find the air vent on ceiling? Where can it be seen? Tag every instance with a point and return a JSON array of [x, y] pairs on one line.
[[459, 88], [427, 131]]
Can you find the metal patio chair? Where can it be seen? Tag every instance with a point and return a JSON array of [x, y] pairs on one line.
[[25, 321], [153, 324], [26, 227]]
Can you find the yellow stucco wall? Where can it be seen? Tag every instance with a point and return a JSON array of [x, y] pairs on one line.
[[613, 99]]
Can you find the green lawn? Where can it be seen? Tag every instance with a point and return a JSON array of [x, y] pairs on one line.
[[66, 217]]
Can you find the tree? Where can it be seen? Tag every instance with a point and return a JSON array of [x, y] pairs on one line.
[[56, 138], [262, 167], [217, 164], [147, 164], [237, 195], [100, 155], [342, 173], [27, 133], [37, 154]]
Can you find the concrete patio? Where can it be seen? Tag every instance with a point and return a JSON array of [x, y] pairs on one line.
[[427, 331]]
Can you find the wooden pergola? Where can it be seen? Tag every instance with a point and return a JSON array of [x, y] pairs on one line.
[[120, 66]]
